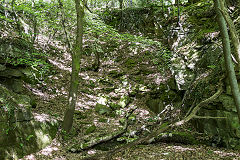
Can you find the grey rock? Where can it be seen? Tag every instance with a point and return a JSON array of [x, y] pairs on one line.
[[26, 137], [2, 67]]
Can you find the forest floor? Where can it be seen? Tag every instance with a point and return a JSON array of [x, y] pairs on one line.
[[115, 79]]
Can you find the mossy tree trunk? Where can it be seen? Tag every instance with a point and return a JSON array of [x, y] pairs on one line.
[[232, 31], [227, 56], [76, 57]]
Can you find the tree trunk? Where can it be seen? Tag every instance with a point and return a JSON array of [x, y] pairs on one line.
[[76, 57], [227, 56], [63, 19], [121, 4], [233, 32]]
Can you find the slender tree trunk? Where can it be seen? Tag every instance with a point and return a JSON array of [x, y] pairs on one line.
[[178, 5], [121, 4], [121, 21], [63, 19], [76, 57], [233, 32], [34, 21], [227, 56]]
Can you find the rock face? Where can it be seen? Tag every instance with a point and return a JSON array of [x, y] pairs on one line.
[[22, 138], [166, 95], [226, 129], [14, 107], [22, 133], [200, 61], [10, 75]]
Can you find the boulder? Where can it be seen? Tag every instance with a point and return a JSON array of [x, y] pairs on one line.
[[225, 128], [102, 109], [155, 105], [22, 138], [2, 67], [15, 107], [21, 132]]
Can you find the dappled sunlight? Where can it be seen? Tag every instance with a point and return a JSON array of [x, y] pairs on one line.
[[85, 76], [143, 113], [67, 57], [157, 78], [48, 150], [92, 151], [29, 157], [85, 104], [44, 41], [43, 117], [60, 65], [141, 66], [183, 148], [37, 92], [224, 154], [108, 62]]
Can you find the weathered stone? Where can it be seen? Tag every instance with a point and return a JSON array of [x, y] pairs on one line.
[[155, 105], [227, 129], [15, 107], [228, 102], [102, 109], [124, 100], [14, 84], [22, 138], [17, 85], [2, 67]]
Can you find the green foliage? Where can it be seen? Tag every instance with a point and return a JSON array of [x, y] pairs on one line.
[[90, 129], [201, 15], [105, 39], [35, 61], [126, 139], [29, 137], [102, 109]]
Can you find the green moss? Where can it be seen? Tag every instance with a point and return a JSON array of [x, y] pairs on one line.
[[115, 74], [108, 89], [102, 109], [90, 129], [130, 63], [104, 120], [178, 137], [115, 106]]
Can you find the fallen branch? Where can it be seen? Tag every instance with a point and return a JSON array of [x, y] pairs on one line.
[[164, 127], [94, 142], [208, 117]]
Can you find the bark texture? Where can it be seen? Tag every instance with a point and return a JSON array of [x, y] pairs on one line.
[[76, 57], [233, 32], [227, 57]]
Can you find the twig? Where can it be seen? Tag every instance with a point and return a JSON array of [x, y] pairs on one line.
[[106, 138]]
